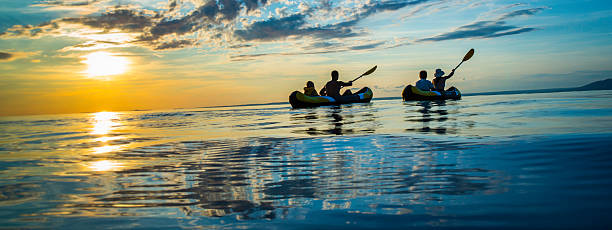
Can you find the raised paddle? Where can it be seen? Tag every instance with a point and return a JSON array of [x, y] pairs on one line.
[[467, 56], [366, 73]]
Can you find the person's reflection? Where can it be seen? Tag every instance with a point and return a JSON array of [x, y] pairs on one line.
[[330, 123], [337, 122], [334, 120], [427, 115], [310, 118], [425, 111]]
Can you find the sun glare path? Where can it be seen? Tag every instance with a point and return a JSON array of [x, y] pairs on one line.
[[104, 165], [104, 122], [107, 149], [105, 64]]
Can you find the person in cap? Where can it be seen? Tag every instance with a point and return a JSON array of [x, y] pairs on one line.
[[440, 80]]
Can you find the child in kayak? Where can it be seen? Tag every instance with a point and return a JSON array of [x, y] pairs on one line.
[[424, 84], [310, 90], [439, 81]]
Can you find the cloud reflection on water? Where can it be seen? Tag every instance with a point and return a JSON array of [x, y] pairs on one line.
[[254, 177]]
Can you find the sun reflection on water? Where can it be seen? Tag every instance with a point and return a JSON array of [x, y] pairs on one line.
[[106, 138], [104, 122], [107, 149], [105, 165]]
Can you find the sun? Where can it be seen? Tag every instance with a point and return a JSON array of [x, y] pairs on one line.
[[105, 64]]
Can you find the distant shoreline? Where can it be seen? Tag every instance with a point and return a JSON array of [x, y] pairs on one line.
[[598, 85]]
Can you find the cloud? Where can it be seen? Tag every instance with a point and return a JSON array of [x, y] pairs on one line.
[[66, 3], [153, 28], [525, 12], [248, 57], [159, 29], [320, 45], [254, 4], [239, 46], [122, 19], [5, 56], [367, 46], [420, 10], [322, 48], [487, 28], [74, 6], [94, 45], [480, 29], [280, 28], [294, 25], [327, 25], [297, 25], [174, 44], [9, 57], [377, 7], [172, 5], [205, 17]]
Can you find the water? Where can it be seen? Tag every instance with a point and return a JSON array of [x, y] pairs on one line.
[[506, 161]]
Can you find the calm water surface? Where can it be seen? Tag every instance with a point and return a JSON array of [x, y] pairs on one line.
[[506, 161]]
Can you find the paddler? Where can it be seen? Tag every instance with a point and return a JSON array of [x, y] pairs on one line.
[[332, 88], [439, 81]]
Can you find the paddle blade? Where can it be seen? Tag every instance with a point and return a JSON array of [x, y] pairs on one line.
[[468, 55], [370, 71]]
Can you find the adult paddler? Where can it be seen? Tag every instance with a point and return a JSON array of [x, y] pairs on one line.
[[332, 88]]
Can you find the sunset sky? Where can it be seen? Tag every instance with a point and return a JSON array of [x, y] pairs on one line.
[[68, 56]]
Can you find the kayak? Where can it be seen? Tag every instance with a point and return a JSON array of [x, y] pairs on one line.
[[411, 93], [298, 99]]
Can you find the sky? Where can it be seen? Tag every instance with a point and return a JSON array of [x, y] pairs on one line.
[[72, 56]]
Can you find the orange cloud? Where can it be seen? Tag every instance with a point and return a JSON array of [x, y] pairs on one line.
[[12, 56]]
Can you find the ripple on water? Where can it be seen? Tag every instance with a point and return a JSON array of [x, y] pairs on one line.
[[518, 161]]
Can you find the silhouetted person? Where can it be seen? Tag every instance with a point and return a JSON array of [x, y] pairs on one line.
[[332, 88], [310, 90], [439, 81], [424, 84]]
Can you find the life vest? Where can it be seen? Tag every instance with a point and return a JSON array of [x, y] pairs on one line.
[[310, 91]]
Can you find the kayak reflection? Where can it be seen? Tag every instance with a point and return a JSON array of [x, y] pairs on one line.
[[336, 120], [430, 117]]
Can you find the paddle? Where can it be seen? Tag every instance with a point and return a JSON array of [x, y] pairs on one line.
[[366, 73], [467, 56]]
